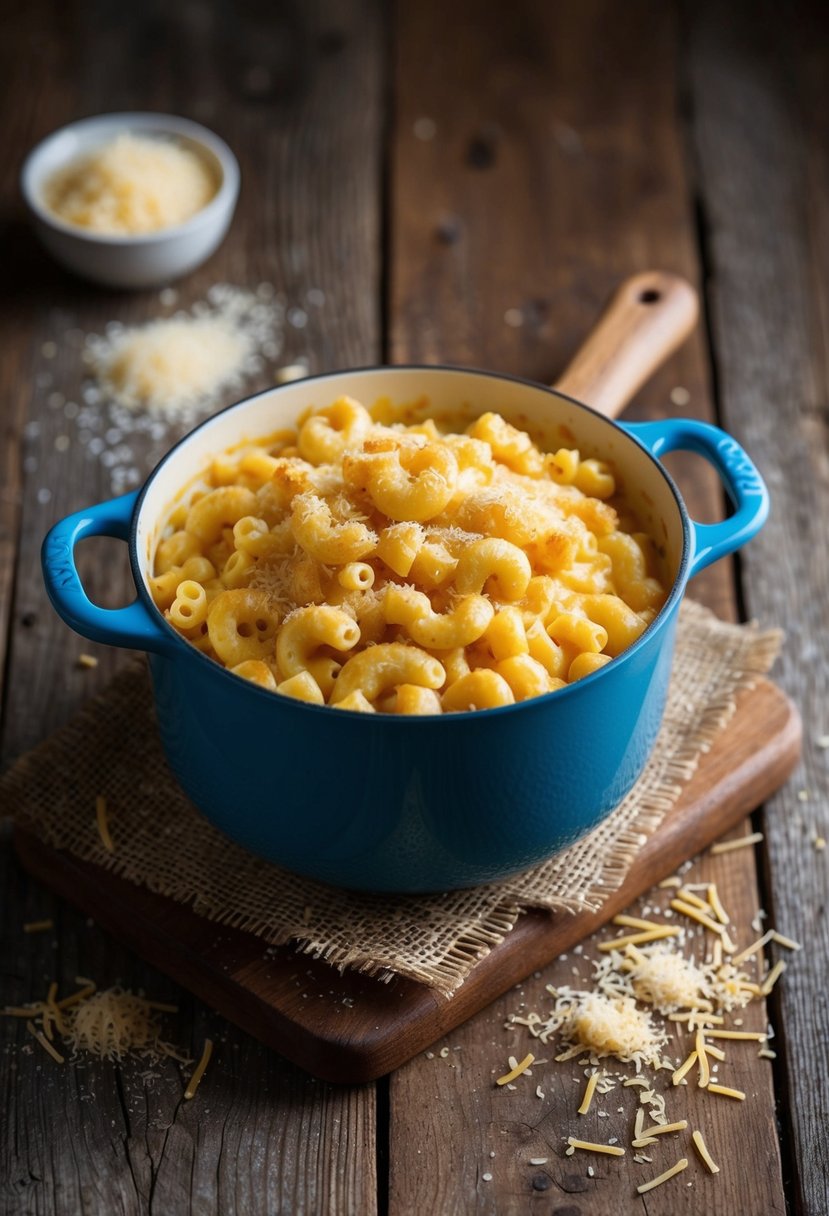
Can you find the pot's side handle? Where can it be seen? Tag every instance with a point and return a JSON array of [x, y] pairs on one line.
[[743, 483], [647, 318], [132, 626]]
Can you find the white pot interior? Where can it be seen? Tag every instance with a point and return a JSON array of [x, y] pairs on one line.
[[453, 397]]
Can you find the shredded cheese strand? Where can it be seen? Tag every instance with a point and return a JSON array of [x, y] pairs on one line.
[[727, 1092], [589, 1090], [772, 977], [753, 948], [517, 1070], [689, 897], [728, 846], [702, 1061], [714, 901], [660, 1128], [45, 1044], [636, 922], [785, 941], [102, 821], [193, 1083], [612, 1150], [758, 1035], [679, 905], [639, 939], [700, 1146], [675, 1169], [684, 1068]]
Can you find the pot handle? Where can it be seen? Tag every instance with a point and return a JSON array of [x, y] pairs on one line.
[[132, 626], [647, 318], [744, 485]]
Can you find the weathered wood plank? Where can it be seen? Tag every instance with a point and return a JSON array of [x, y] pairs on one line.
[[760, 104], [537, 161], [296, 90]]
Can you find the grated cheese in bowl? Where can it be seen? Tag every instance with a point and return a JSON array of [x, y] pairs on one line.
[[132, 184]]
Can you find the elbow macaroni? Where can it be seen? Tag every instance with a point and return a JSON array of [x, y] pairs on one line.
[[373, 566]]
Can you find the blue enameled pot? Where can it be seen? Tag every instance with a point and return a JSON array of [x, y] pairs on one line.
[[387, 803]]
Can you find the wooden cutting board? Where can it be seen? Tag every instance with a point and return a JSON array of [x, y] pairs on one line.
[[351, 1028]]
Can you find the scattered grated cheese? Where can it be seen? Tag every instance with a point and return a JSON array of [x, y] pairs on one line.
[[539, 1160], [195, 1080], [516, 1069], [699, 1144], [673, 881], [39, 926], [87, 660], [728, 846], [671, 1173], [643, 969], [102, 821], [179, 366]]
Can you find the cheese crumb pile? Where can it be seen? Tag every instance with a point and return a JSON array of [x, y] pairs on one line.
[[117, 1023], [135, 184], [179, 366], [111, 1025], [606, 1026]]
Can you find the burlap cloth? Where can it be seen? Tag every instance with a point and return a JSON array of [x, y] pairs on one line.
[[111, 747]]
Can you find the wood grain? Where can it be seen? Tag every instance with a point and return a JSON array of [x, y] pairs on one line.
[[761, 101], [296, 90], [348, 1028], [556, 164]]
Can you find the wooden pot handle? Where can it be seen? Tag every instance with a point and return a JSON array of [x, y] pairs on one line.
[[647, 318]]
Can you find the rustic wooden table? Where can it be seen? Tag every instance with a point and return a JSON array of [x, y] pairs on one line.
[[459, 183]]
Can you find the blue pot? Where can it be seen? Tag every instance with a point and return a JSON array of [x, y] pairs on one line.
[[387, 803]]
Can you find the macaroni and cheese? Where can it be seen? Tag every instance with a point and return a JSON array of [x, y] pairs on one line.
[[383, 567]]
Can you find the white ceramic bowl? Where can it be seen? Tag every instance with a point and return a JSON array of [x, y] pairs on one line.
[[152, 258]]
